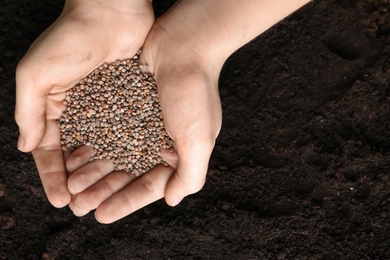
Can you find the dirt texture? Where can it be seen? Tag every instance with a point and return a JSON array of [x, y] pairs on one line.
[[299, 171]]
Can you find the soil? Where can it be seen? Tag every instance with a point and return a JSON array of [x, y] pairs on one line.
[[299, 171]]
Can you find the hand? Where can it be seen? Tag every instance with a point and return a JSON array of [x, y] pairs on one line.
[[185, 49], [86, 34], [187, 80]]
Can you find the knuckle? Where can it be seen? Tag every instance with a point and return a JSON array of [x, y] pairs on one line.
[[148, 186], [84, 203], [75, 159]]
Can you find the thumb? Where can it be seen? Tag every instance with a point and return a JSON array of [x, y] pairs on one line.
[[191, 171], [30, 112]]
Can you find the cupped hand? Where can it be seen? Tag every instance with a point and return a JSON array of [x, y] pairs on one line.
[[187, 79], [187, 82], [86, 34]]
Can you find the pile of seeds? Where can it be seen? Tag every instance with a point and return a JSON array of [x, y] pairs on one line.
[[115, 109]]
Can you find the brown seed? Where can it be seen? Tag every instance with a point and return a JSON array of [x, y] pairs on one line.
[[116, 110]]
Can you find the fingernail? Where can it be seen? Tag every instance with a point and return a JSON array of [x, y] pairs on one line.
[[72, 192], [80, 214], [177, 201], [21, 141]]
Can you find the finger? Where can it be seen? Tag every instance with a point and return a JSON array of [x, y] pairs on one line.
[[66, 154], [79, 158], [170, 156], [191, 170], [50, 164], [78, 161], [55, 105], [29, 110], [79, 212], [75, 160], [88, 175], [143, 191], [92, 197]]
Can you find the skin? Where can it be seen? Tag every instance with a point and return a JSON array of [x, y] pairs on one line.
[[185, 50]]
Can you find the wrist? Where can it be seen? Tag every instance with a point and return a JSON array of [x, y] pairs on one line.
[[195, 44], [217, 28], [118, 21]]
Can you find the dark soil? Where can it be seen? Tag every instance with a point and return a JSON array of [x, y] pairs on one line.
[[300, 169]]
